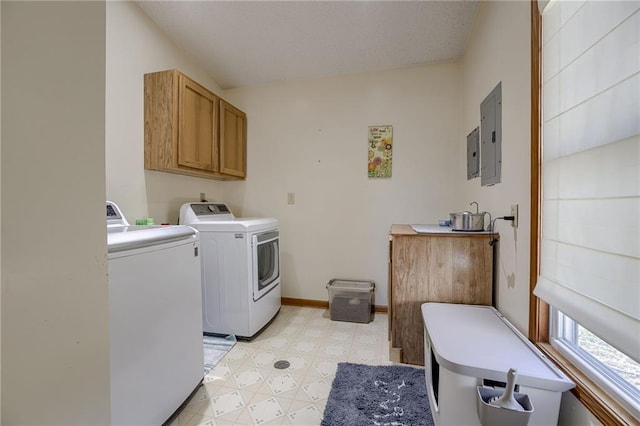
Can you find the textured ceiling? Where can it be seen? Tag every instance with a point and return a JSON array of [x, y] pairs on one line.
[[248, 43]]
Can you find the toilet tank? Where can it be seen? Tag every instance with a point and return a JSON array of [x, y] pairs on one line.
[[467, 346]]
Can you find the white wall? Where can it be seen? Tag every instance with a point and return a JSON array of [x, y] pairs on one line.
[[55, 335], [499, 51], [135, 46], [310, 138], [0, 218], [574, 413]]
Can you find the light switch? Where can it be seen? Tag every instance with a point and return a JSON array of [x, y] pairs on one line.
[[291, 198]]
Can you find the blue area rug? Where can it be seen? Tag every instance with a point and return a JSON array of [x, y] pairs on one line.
[[378, 395], [215, 348]]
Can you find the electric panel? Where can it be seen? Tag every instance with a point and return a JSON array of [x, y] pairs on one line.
[[473, 154], [491, 137]]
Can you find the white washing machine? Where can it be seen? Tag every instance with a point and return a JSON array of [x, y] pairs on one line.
[[240, 269], [156, 353]]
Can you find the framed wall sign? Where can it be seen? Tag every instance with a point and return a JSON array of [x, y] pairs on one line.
[[380, 151]]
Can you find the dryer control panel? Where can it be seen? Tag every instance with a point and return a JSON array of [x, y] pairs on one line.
[[191, 213], [209, 209]]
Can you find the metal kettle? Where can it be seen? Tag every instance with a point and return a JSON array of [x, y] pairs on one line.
[[468, 221]]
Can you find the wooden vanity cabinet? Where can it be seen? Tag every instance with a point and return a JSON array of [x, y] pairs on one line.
[[436, 267], [183, 129]]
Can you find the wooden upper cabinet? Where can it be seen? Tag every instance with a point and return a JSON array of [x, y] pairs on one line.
[[233, 140], [183, 129], [197, 138]]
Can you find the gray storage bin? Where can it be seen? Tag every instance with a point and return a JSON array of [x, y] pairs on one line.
[[351, 300], [490, 415]]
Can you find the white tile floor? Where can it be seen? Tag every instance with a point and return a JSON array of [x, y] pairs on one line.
[[246, 389]]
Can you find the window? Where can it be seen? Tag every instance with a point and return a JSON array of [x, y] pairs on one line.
[[586, 193], [608, 367]]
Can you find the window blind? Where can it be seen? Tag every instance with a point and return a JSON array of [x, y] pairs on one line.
[[590, 248]]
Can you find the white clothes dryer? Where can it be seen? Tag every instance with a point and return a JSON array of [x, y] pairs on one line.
[[240, 269]]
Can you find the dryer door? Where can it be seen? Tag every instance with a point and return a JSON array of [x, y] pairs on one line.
[[266, 262]]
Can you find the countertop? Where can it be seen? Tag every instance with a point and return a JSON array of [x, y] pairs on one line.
[[436, 230]]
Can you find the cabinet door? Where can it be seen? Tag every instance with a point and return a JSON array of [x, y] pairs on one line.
[[434, 269], [233, 140], [197, 127]]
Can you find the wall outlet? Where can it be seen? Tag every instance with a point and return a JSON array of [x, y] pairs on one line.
[[291, 198], [514, 213]]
